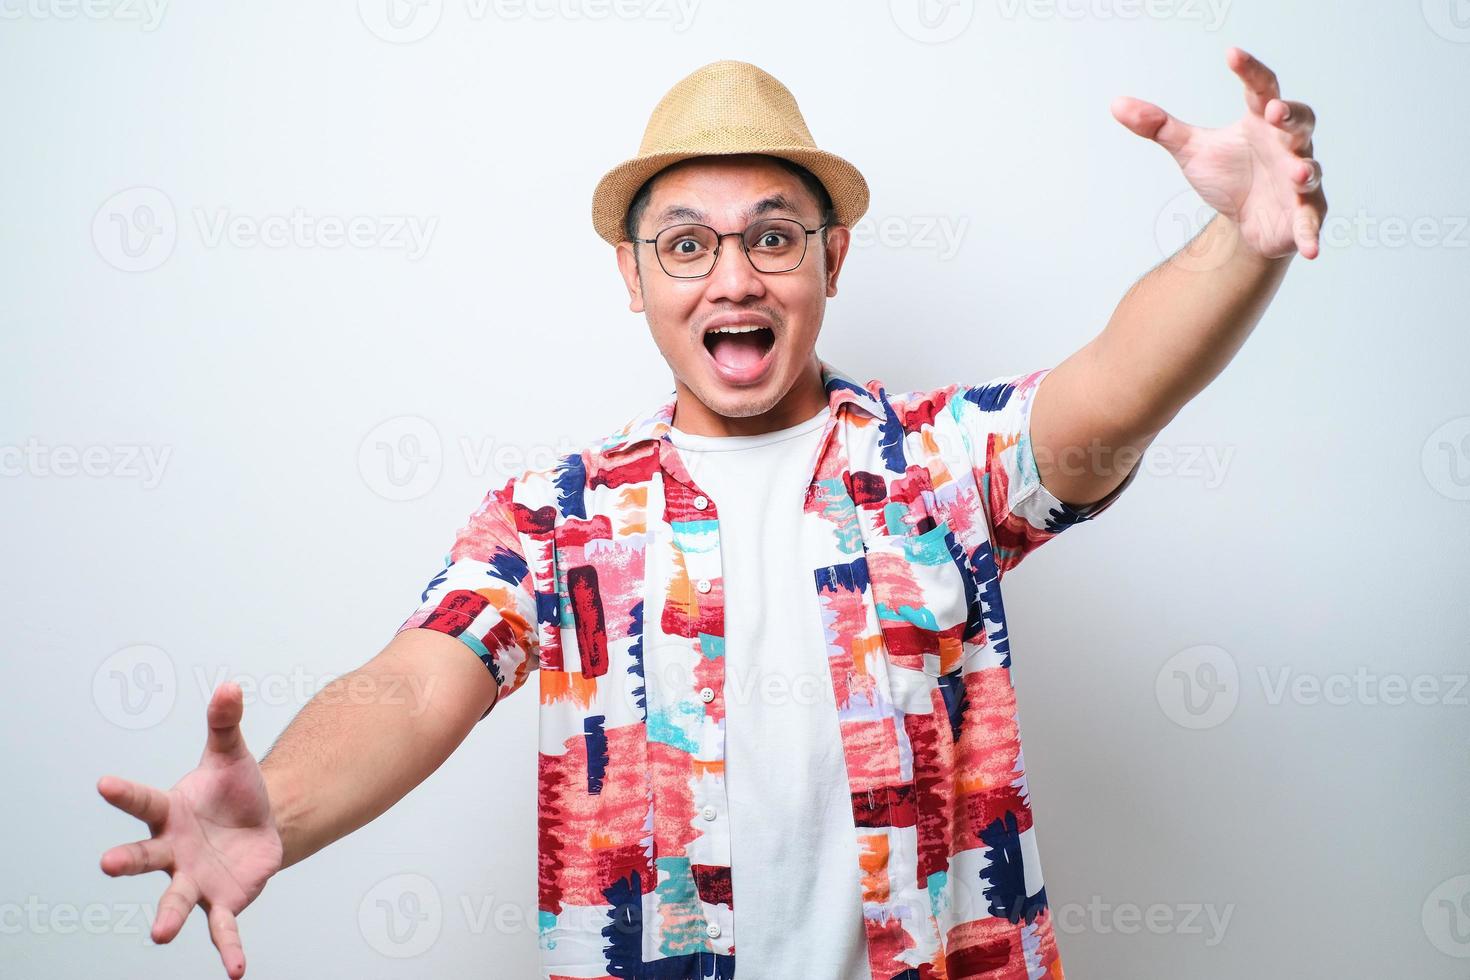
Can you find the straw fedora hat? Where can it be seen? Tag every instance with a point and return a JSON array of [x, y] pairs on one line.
[[723, 108]]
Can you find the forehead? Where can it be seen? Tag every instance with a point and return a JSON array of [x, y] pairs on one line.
[[714, 190]]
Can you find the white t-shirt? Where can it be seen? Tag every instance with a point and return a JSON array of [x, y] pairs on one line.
[[795, 884]]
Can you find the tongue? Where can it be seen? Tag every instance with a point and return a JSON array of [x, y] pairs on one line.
[[738, 351]]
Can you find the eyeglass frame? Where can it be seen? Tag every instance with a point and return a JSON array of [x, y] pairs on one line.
[[720, 245]]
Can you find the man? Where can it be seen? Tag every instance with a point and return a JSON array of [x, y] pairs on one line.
[[766, 614]]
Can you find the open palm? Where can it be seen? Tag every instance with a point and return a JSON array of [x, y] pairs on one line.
[[213, 832], [1258, 171]]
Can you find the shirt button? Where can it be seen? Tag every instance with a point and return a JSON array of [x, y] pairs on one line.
[[702, 585], [701, 502], [708, 813], [713, 929], [706, 694]]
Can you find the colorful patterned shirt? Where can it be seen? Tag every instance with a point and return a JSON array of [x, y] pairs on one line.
[[918, 504]]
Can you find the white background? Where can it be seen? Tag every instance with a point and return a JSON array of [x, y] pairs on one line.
[[269, 541]]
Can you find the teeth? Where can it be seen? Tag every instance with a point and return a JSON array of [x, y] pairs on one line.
[[736, 329]]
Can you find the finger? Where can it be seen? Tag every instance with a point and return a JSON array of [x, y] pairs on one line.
[[1307, 232], [1307, 176], [225, 934], [225, 710], [1152, 123], [174, 907], [138, 857], [1261, 85], [1296, 119], [144, 802]]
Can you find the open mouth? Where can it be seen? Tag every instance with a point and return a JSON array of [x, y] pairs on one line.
[[739, 349]]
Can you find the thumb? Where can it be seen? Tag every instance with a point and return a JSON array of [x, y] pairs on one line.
[[1152, 123], [226, 707]]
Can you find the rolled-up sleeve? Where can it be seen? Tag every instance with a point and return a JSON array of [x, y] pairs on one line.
[[995, 420], [484, 594]]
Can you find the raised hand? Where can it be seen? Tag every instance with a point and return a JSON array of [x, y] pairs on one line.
[[1258, 171], [213, 832]]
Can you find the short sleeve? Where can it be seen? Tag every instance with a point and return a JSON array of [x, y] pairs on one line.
[[995, 421], [484, 594]]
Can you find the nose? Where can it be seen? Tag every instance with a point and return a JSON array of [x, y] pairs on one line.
[[733, 278]]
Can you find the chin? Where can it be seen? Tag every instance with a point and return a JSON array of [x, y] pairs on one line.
[[739, 402], [736, 405]]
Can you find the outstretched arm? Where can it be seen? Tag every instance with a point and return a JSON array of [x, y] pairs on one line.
[[1179, 325], [371, 736], [357, 747]]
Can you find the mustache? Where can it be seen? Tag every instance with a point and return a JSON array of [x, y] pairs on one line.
[[777, 321]]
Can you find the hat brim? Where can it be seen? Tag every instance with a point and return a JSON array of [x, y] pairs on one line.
[[614, 192]]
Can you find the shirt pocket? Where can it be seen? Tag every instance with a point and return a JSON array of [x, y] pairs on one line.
[[570, 615], [923, 596]]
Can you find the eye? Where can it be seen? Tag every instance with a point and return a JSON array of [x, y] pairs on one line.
[[774, 235], [688, 245]]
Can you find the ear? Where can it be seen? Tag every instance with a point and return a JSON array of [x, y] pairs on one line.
[[839, 240], [628, 266]]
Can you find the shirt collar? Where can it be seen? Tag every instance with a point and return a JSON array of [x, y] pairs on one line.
[[841, 388]]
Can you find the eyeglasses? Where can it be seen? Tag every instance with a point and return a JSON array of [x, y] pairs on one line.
[[689, 251]]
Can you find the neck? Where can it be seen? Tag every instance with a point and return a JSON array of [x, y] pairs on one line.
[[806, 398]]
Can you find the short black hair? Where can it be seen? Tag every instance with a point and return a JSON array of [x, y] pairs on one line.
[[809, 180]]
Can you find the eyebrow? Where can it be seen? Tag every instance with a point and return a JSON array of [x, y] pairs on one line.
[[682, 212]]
